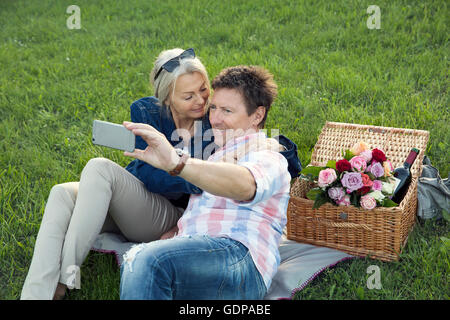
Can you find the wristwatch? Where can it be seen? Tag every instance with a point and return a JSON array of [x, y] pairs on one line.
[[184, 156]]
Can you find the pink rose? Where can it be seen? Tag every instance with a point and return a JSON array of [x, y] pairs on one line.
[[326, 177], [377, 170], [345, 201], [367, 154], [377, 185], [368, 202], [358, 163], [336, 193]]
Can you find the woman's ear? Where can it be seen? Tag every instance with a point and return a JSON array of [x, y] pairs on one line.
[[167, 102], [259, 114]]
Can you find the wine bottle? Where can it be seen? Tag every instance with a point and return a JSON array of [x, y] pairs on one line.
[[403, 173]]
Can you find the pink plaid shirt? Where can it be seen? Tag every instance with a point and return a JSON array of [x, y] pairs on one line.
[[259, 223]]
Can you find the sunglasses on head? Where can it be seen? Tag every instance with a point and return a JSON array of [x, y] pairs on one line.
[[170, 65]]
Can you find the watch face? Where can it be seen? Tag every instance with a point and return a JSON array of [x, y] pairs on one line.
[[180, 152]]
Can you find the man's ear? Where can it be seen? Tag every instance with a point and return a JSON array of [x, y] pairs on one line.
[[259, 114]]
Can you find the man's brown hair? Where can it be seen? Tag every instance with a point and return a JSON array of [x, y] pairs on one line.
[[255, 83]]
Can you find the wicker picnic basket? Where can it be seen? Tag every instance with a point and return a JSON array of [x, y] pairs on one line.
[[380, 233]]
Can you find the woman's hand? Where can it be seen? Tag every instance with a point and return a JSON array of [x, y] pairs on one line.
[[159, 152]]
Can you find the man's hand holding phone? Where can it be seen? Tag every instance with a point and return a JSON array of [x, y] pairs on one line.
[[159, 152]]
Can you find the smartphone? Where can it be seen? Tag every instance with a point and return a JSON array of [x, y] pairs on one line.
[[113, 135]]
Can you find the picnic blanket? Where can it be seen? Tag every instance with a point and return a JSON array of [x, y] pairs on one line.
[[300, 263]]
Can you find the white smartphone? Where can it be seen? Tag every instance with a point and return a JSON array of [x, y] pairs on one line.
[[113, 135]]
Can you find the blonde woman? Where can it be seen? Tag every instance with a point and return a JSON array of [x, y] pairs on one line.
[[140, 202]]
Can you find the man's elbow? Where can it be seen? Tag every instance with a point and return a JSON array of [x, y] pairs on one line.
[[249, 190]]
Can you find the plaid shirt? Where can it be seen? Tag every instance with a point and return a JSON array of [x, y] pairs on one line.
[[259, 223]]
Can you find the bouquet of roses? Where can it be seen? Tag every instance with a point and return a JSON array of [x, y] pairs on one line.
[[363, 178]]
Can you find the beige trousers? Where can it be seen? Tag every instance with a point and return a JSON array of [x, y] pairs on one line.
[[106, 199]]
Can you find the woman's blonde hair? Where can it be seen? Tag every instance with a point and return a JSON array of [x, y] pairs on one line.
[[164, 85]]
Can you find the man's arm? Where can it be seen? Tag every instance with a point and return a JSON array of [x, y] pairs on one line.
[[221, 179]]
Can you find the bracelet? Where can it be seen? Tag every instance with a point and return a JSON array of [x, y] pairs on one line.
[[177, 170]]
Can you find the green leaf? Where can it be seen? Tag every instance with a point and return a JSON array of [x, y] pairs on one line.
[[321, 199], [311, 171], [331, 164], [348, 155], [389, 203], [371, 176], [354, 199], [312, 194]]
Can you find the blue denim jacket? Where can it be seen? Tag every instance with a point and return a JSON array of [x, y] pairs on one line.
[[146, 110]]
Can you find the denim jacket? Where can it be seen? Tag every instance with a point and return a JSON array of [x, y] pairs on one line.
[[146, 110]]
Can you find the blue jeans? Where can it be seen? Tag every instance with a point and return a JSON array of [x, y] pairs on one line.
[[191, 268]]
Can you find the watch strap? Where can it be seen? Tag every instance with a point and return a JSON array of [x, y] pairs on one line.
[[177, 170]]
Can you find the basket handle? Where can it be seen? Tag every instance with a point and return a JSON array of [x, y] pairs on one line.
[[337, 224], [345, 225]]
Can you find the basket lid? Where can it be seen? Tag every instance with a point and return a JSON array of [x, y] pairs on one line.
[[336, 137]]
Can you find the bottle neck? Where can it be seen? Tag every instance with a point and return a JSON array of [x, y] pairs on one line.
[[410, 159]]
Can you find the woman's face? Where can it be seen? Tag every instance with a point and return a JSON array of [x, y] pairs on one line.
[[189, 101]]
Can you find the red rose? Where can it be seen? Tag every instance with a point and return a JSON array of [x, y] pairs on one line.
[[366, 180], [364, 190], [378, 155], [343, 165]]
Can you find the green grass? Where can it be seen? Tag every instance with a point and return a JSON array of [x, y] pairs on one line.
[[327, 63], [420, 274]]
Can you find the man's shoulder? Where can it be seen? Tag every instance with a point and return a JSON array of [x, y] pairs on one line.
[[270, 161], [267, 155]]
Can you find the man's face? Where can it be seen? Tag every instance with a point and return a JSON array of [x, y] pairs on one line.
[[228, 116]]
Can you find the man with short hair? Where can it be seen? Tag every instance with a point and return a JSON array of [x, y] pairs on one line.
[[227, 243]]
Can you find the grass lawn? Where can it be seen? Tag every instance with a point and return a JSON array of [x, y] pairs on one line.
[[328, 64]]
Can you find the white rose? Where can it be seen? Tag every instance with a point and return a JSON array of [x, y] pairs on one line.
[[378, 195], [387, 187]]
